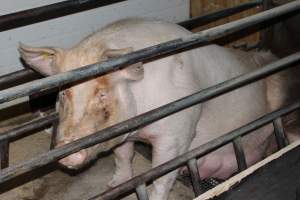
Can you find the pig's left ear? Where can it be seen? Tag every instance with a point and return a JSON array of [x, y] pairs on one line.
[[134, 72], [41, 59]]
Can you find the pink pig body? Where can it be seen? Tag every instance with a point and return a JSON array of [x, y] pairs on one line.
[[163, 81]]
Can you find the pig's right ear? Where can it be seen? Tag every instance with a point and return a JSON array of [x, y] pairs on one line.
[[43, 60]]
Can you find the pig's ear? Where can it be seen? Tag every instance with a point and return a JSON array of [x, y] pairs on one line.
[[41, 59], [134, 72]]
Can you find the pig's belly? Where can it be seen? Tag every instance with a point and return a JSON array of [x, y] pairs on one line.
[[224, 114]]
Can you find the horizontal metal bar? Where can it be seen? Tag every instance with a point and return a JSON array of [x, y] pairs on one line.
[[239, 154], [280, 136], [4, 154], [194, 173], [146, 118], [146, 54], [214, 16], [23, 130], [34, 15], [18, 77], [141, 192], [195, 153]]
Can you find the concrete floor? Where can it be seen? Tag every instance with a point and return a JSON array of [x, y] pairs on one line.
[[61, 186]]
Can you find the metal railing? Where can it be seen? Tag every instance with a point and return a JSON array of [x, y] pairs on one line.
[[144, 55]]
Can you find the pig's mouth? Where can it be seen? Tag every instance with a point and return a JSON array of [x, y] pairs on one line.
[[82, 160]]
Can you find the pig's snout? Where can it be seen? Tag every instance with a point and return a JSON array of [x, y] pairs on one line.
[[75, 160]]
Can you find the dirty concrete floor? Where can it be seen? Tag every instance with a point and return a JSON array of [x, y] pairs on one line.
[[60, 186]]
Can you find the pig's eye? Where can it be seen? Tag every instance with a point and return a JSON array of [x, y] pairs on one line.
[[102, 95]]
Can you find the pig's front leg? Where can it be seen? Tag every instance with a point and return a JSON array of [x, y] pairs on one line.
[[162, 152], [123, 160]]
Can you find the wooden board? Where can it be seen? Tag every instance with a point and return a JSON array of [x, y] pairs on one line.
[[202, 7], [275, 178]]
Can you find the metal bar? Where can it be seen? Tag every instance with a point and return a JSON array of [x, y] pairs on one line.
[[239, 154], [279, 133], [30, 75], [146, 54], [23, 130], [266, 34], [141, 192], [4, 154], [195, 153], [17, 77], [146, 118], [194, 173], [214, 16], [34, 15]]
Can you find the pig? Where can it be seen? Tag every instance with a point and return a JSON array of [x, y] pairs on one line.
[[97, 103]]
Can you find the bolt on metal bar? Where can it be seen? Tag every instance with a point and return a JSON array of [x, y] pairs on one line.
[[4, 154], [280, 136], [23, 130], [143, 55], [147, 118], [141, 192], [214, 16], [195, 153], [239, 154], [34, 15], [194, 173]]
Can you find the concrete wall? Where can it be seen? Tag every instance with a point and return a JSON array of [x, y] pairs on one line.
[[68, 30]]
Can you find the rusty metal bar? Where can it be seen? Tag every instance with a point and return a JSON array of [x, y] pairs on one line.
[[195, 153], [39, 14], [280, 136], [194, 173], [28, 127], [214, 16], [4, 154], [239, 154], [144, 55], [141, 192], [148, 118]]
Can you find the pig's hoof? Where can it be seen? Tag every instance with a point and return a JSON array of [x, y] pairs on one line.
[[117, 180]]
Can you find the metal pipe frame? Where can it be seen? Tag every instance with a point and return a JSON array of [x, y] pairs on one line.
[[195, 153], [144, 55], [34, 15], [146, 118], [30, 75]]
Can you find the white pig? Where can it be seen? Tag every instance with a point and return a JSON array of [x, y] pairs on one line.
[[89, 106]]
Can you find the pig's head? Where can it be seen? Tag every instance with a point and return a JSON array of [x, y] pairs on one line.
[[86, 107]]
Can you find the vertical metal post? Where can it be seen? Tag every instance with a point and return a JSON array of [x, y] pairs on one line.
[[4, 154], [266, 34], [141, 192], [279, 133], [194, 173], [239, 154]]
